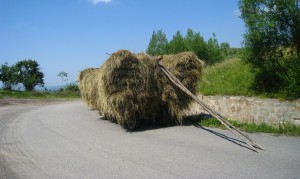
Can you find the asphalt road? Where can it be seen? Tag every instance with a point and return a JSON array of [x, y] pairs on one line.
[[67, 140]]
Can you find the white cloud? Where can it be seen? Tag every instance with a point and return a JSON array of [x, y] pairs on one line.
[[100, 1]]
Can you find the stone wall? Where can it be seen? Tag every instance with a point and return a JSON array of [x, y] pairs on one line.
[[251, 109]]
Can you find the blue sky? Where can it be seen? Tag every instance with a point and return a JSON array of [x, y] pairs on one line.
[[71, 35]]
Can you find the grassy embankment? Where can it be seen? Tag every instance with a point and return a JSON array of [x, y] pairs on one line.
[[233, 77]]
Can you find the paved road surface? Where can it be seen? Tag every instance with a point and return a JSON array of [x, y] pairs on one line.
[[67, 140]]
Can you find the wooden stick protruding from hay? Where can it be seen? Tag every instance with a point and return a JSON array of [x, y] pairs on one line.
[[244, 137]]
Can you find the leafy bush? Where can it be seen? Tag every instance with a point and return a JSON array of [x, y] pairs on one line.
[[291, 79], [281, 79], [8, 76], [272, 45], [72, 88]]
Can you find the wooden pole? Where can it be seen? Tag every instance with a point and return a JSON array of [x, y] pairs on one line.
[[250, 142]]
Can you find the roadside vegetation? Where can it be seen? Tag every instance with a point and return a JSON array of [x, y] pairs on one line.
[[269, 64], [27, 74], [270, 60], [272, 45], [231, 77], [68, 92], [275, 129], [234, 77]]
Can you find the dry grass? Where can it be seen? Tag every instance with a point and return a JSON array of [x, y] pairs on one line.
[[188, 69], [131, 90], [86, 85], [127, 92]]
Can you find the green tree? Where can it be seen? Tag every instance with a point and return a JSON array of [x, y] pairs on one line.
[[214, 51], [64, 77], [72, 88], [177, 44], [210, 51], [196, 43], [272, 43], [190, 40], [158, 44], [8, 76], [225, 48], [29, 74]]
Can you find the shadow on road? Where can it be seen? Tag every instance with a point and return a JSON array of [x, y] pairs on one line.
[[190, 121], [223, 136]]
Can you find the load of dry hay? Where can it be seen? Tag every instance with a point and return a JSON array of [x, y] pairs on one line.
[[87, 86], [131, 90], [188, 69]]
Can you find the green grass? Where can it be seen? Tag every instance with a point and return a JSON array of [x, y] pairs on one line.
[[278, 129], [234, 78], [231, 77], [70, 91], [39, 95]]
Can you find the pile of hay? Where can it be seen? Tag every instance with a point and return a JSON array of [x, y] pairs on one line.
[[87, 86], [188, 69], [131, 90]]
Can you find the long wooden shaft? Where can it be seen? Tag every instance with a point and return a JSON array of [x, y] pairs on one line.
[[234, 130]]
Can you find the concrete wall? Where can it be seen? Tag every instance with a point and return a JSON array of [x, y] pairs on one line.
[[251, 109]]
